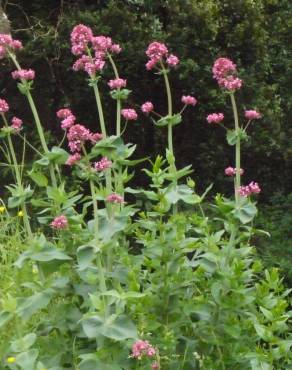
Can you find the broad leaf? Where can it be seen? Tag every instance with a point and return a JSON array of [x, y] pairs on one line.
[[113, 327], [245, 213]]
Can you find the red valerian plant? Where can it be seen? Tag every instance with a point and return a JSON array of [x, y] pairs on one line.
[[170, 282]]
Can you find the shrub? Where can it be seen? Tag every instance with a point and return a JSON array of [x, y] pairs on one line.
[[164, 282]]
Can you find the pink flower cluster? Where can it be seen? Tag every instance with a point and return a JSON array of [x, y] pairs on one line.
[[73, 158], [172, 60], [189, 100], [8, 44], [88, 64], [117, 83], [68, 122], [252, 188], [4, 107], [63, 113], [142, 348], [252, 114], [115, 198], [80, 37], [81, 135], [103, 164], [104, 44], [68, 118], [215, 117], [59, 222], [156, 51], [222, 67], [16, 124], [129, 114], [77, 134], [224, 71], [83, 40], [147, 107], [230, 171], [23, 74]]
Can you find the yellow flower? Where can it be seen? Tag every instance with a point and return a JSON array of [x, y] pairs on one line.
[[11, 360], [35, 271], [20, 214], [2, 209]]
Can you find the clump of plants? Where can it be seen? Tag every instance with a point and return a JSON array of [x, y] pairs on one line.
[[120, 278]]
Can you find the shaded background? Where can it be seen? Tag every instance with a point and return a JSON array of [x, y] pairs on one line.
[[256, 34]]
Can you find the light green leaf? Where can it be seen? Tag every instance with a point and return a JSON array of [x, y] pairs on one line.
[[268, 314], [5, 317], [85, 255], [39, 178], [28, 306], [26, 360], [24, 343], [263, 332], [113, 327], [57, 155], [245, 213], [231, 137], [48, 254], [107, 228], [169, 120]]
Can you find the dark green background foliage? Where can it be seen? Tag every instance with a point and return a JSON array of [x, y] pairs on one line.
[[253, 33]]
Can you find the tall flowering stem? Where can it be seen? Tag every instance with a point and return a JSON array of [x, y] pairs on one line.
[[99, 109], [169, 103], [18, 178], [225, 72], [169, 127], [108, 177], [96, 230], [118, 120], [37, 120], [237, 149], [94, 84], [102, 281]]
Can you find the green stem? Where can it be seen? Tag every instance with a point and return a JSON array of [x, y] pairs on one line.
[[99, 108], [29, 144], [184, 358], [118, 126], [113, 64], [37, 120], [116, 73], [169, 128], [169, 104], [41, 135], [96, 232], [237, 149], [102, 282], [169, 137], [95, 209], [120, 186], [219, 351], [108, 177], [18, 179]]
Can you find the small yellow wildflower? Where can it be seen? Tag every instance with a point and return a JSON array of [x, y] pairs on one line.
[[20, 214], [11, 360], [2, 209]]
